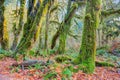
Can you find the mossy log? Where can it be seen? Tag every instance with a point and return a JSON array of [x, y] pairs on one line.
[[26, 64]]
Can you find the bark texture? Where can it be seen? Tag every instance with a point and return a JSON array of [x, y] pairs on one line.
[[4, 40], [88, 47], [30, 28], [18, 29]]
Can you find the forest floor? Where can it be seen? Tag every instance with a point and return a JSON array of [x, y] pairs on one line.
[[14, 73]]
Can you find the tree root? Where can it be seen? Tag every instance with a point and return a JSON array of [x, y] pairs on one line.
[[100, 64]]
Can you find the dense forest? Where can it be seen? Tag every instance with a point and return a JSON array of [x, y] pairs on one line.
[[59, 39]]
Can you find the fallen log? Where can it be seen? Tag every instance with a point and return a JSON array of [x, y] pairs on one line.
[[26, 64]]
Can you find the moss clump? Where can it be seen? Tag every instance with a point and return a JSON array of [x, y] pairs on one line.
[[87, 65], [62, 58]]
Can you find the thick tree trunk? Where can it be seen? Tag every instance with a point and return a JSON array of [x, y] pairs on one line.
[[88, 47], [4, 40]]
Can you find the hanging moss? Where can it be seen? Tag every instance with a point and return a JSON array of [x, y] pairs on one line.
[[88, 47]]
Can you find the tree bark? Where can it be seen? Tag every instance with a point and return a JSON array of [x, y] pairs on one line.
[[46, 28], [66, 21], [65, 29], [29, 31], [4, 39], [20, 25], [88, 47]]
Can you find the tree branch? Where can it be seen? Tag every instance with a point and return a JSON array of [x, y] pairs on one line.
[[110, 12]]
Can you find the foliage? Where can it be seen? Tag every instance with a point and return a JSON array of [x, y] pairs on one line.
[[101, 52], [4, 53], [66, 73], [50, 75]]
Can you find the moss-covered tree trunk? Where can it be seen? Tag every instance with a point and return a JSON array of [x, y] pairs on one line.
[[4, 40], [18, 29], [88, 47], [46, 29], [62, 31], [62, 39], [66, 28], [30, 28]]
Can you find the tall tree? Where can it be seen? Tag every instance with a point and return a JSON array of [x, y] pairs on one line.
[[66, 27], [67, 19], [18, 29], [50, 9], [3, 28], [88, 46], [30, 27]]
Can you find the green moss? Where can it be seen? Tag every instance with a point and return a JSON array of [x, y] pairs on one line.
[[62, 58], [30, 28], [87, 53], [104, 64], [65, 29], [17, 29], [3, 28]]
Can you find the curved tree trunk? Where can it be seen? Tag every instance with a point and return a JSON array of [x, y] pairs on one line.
[[88, 46], [66, 28], [65, 23]]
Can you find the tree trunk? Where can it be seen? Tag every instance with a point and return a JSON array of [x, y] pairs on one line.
[[68, 17], [20, 25], [4, 40], [88, 47], [46, 28], [62, 39], [66, 28], [30, 28]]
